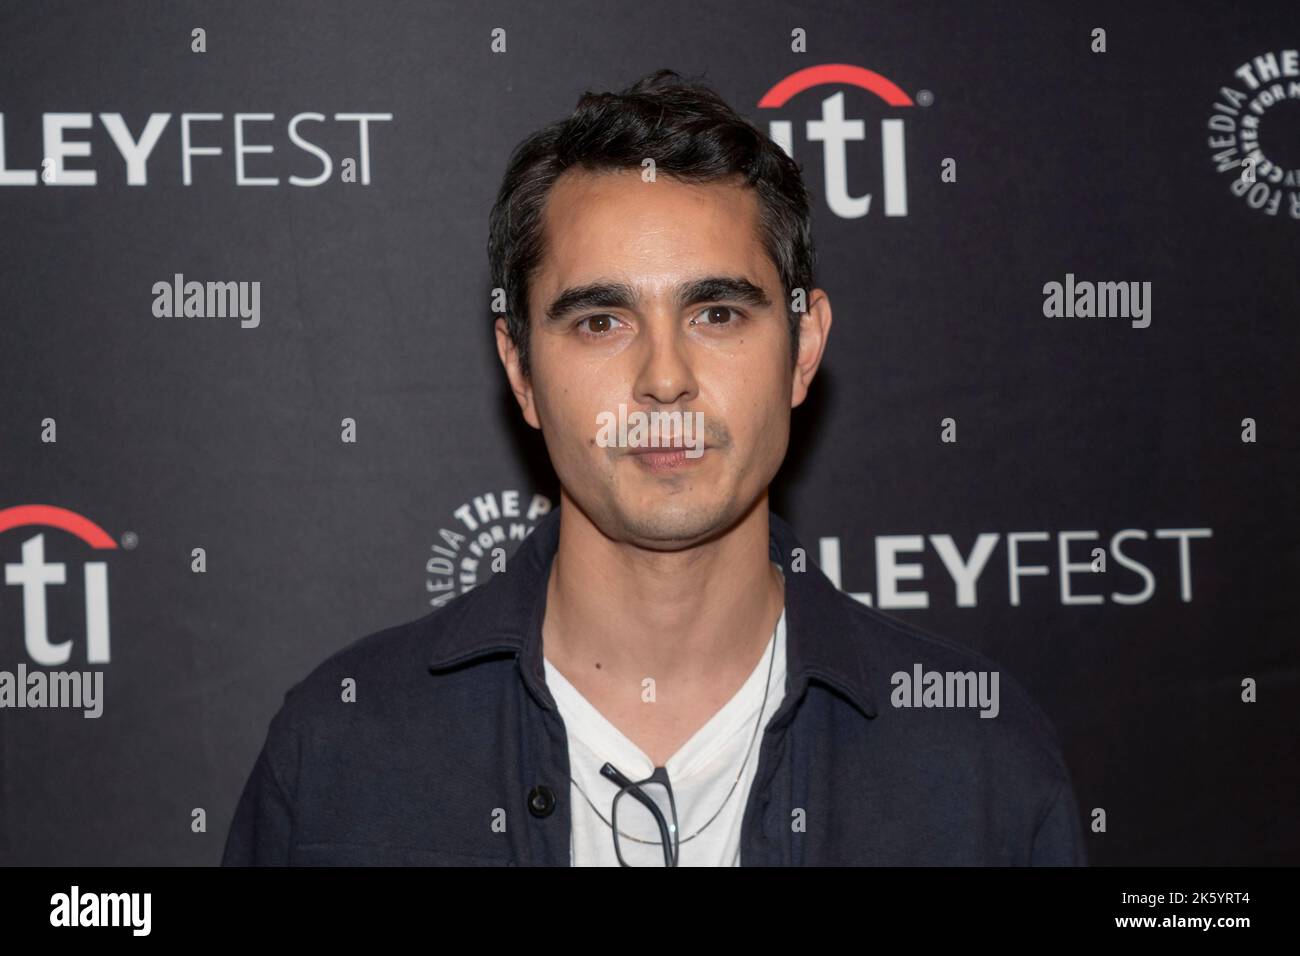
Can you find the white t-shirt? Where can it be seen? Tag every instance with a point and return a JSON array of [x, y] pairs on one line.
[[701, 773]]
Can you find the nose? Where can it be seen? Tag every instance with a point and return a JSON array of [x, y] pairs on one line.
[[664, 375]]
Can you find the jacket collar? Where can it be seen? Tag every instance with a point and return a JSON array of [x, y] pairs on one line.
[[825, 639]]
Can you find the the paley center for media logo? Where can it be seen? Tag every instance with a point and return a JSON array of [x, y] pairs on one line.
[[479, 540], [847, 143], [1252, 133], [37, 585]]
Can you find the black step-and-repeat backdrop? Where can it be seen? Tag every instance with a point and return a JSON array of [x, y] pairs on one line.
[[252, 409]]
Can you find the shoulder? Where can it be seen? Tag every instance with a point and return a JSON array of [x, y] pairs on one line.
[[940, 687], [384, 672]]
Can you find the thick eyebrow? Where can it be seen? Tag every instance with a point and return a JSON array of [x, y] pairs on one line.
[[722, 289], [620, 295], [593, 295]]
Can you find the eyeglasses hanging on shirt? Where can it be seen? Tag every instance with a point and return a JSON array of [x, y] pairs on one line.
[[669, 835]]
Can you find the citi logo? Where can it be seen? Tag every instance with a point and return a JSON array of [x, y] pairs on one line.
[[33, 574], [835, 131]]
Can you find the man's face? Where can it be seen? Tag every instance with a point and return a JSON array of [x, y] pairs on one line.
[[622, 312]]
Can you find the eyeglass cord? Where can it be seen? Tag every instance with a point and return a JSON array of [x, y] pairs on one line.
[[748, 751]]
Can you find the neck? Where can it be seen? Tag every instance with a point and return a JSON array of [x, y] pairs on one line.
[[695, 620]]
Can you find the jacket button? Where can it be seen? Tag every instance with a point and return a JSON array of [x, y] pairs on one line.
[[541, 801]]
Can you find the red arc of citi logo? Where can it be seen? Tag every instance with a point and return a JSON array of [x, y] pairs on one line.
[[834, 131], [33, 574]]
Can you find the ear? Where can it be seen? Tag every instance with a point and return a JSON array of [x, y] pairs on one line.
[[814, 329], [519, 383]]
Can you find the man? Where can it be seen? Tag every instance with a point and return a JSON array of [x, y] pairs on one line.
[[660, 676]]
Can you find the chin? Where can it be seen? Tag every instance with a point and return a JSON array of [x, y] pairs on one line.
[[677, 522]]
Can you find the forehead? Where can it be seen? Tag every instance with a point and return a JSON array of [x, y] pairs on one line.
[[614, 225]]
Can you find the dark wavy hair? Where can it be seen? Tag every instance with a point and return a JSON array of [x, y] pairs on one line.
[[692, 135]]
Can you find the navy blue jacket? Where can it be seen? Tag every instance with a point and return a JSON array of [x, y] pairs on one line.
[[453, 752]]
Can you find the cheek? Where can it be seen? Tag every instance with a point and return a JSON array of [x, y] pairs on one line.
[[568, 417], [775, 415]]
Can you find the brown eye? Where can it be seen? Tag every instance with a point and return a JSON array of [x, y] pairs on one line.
[[594, 325], [724, 315]]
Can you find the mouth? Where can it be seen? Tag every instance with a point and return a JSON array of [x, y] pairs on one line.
[[667, 457]]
